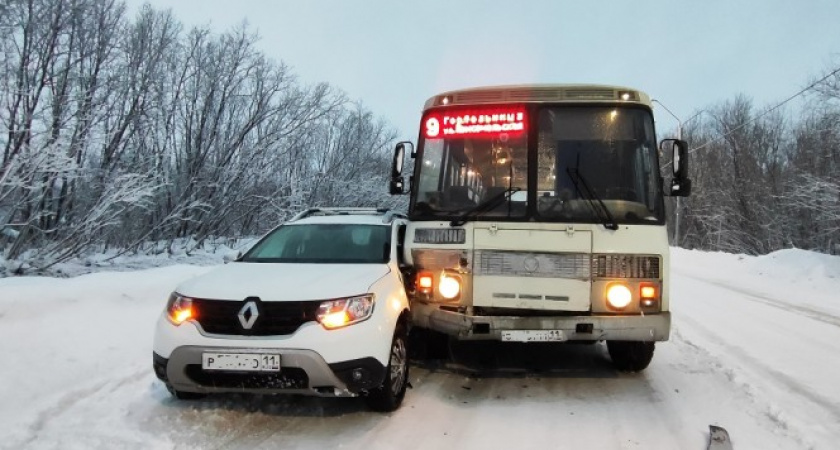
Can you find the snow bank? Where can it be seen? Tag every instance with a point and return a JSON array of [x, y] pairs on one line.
[[160, 254], [795, 264], [801, 277]]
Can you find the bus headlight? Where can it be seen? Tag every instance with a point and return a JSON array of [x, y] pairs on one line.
[[449, 286], [619, 295]]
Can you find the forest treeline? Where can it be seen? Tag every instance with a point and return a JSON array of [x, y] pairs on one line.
[[121, 129], [764, 178]]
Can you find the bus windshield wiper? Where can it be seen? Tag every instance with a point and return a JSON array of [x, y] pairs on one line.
[[486, 205], [595, 202]]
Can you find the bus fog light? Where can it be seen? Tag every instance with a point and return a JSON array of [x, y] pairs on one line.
[[648, 302], [450, 287], [648, 296], [619, 296], [424, 282]]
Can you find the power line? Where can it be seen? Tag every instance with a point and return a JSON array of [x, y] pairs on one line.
[[756, 118]]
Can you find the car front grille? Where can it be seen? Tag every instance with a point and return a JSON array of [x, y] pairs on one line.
[[287, 378], [273, 319]]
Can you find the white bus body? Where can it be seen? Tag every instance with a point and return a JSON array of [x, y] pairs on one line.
[[537, 214]]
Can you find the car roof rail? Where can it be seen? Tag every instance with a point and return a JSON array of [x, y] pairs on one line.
[[388, 214]]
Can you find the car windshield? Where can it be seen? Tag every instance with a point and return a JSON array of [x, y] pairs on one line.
[[324, 243]]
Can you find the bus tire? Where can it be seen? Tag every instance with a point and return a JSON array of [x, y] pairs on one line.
[[630, 356]]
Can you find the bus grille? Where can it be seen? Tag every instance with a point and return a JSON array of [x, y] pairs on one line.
[[579, 266], [590, 94], [625, 266], [541, 265]]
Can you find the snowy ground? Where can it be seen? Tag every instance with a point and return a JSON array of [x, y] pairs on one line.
[[755, 348], [164, 253]]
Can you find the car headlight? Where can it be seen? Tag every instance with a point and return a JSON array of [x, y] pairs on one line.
[[179, 309], [345, 311], [619, 295]]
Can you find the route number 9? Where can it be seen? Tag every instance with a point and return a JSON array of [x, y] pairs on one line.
[[432, 127]]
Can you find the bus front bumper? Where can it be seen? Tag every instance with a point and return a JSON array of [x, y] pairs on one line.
[[648, 327]]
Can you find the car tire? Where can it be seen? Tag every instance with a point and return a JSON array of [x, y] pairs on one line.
[[181, 395], [630, 356], [389, 396]]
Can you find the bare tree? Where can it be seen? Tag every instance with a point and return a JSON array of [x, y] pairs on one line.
[[119, 130]]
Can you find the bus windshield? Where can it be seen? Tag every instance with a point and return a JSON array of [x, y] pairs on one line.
[[581, 155]]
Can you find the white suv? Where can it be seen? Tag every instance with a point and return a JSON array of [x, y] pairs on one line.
[[316, 307]]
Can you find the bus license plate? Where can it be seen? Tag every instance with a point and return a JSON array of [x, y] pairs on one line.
[[241, 362], [533, 336]]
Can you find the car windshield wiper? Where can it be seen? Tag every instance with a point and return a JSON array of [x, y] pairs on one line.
[[595, 202], [486, 205]]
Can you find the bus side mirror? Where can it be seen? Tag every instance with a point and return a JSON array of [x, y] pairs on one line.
[[680, 183], [397, 184]]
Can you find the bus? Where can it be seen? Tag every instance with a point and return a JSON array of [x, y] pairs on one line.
[[537, 214]]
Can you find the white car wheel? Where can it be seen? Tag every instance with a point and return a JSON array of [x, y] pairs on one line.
[[389, 396]]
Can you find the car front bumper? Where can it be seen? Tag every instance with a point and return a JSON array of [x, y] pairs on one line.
[[302, 372], [313, 361]]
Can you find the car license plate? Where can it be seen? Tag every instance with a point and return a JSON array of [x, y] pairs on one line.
[[241, 362], [533, 336]]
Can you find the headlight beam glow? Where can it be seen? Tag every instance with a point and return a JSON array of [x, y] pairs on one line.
[[619, 295]]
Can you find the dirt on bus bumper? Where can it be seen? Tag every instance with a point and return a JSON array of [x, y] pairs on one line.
[[647, 327]]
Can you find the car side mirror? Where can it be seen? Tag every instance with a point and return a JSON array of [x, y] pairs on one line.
[[680, 183], [231, 256], [397, 183]]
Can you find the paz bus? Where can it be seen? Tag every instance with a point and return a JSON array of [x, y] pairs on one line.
[[537, 214]]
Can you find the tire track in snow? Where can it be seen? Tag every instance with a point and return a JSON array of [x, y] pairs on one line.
[[255, 431], [262, 421], [788, 382], [73, 398], [752, 296], [713, 365]]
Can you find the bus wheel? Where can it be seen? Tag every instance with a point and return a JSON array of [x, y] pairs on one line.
[[630, 356]]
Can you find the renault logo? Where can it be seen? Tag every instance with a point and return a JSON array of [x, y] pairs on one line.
[[248, 315]]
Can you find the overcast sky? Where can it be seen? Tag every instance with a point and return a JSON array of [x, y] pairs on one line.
[[394, 54]]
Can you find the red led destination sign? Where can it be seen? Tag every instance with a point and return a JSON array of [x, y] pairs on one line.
[[485, 122]]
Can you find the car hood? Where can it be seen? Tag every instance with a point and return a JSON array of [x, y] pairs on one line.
[[279, 282]]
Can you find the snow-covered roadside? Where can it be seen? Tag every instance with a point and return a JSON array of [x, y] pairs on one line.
[[772, 324], [72, 341], [801, 278], [746, 353], [161, 254]]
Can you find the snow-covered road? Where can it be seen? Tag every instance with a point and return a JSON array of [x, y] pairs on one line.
[[755, 348]]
